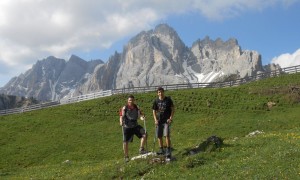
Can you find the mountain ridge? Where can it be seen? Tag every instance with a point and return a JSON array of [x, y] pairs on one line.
[[153, 57]]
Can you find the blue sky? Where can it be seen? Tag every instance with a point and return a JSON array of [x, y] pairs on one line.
[[271, 32], [32, 30]]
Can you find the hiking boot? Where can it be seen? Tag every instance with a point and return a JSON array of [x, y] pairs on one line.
[[161, 151], [168, 153], [142, 150], [126, 159]]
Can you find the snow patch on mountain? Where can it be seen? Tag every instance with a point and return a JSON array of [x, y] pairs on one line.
[[195, 77]]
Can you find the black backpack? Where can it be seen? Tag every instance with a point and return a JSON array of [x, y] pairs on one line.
[[130, 123]]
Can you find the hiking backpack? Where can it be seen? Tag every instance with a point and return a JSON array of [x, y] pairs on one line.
[[130, 116]]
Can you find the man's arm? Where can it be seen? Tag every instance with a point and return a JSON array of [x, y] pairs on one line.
[[121, 121], [154, 116], [122, 115], [172, 115]]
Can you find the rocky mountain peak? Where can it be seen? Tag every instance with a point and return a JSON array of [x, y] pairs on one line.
[[161, 34], [77, 60], [232, 42], [168, 35], [218, 43], [165, 29], [226, 57], [153, 57], [48, 62]]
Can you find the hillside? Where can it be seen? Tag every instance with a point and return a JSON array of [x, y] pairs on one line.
[[83, 140]]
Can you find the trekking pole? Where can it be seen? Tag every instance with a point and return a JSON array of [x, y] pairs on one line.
[[145, 134], [122, 133], [123, 138], [154, 141]]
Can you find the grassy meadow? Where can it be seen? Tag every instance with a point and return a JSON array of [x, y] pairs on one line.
[[84, 140]]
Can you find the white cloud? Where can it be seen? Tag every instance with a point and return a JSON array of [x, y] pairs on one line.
[[35, 29], [287, 60]]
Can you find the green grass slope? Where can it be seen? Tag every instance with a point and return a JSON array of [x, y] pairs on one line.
[[84, 140]]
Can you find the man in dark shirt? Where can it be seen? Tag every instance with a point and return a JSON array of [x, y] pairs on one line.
[[163, 112], [129, 115]]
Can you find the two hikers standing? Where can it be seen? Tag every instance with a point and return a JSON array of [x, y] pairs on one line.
[[163, 112]]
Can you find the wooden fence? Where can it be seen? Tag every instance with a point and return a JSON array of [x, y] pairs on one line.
[[86, 97], [29, 108], [237, 82]]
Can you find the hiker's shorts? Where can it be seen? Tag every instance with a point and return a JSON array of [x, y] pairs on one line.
[[163, 130], [139, 131]]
